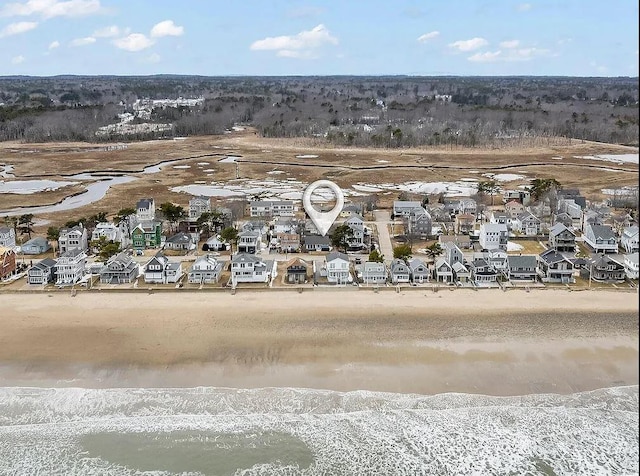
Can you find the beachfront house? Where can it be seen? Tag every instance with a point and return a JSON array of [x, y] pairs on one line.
[[483, 273], [553, 267], [442, 271], [374, 273], [297, 271], [601, 239], [119, 269], [493, 236], [399, 271], [7, 263], [160, 270], [419, 271], [70, 267], [35, 246], [249, 268], [198, 206], [562, 238], [147, 234], [631, 266], [461, 272], [603, 268], [71, 239], [629, 239], [7, 237], [205, 270], [336, 267], [522, 267], [42, 272]]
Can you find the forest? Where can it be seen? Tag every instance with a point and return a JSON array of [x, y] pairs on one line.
[[391, 111]]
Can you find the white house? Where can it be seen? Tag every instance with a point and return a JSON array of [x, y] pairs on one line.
[[206, 269], [198, 206], [146, 209], [356, 223], [629, 239], [272, 208], [70, 266], [7, 237], [526, 223], [337, 267], [73, 239], [493, 236], [631, 265], [111, 232], [249, 268], [601, 238], [402, 208]]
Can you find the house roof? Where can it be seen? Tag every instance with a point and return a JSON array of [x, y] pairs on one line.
[[209, 259], [559, 228], [337, 255], [406, 204], [632, 258], [603, 232], [525, 215], [72, 253], [245, 258], [45, 263], [493, 227], [522, 261], [551, 256], [316, 240], [441, 261], [415, 263], [513, 203], [398, 265], [179, 238], [630, 231], [38, 241], [296, 262], [458, 267], [5, 229], [145, 203], [603, 260]]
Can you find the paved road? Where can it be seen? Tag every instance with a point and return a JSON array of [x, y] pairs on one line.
[[383, 218]]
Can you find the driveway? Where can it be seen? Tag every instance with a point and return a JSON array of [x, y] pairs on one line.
[[383, 218]]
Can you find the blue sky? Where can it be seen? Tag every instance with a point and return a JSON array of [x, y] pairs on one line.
[[280, 37]]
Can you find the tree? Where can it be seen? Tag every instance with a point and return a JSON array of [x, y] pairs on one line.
[[123, 214], [229, 234], [434, 250], [53, 233], [402, 252], [105, 248], [489, 187], [376, 257], [172, 213], [539, 187], [341, 237], [26, 224]]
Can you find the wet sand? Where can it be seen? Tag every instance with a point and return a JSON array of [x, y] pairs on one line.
[[487, 342]]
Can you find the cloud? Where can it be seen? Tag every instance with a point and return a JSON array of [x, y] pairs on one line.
[[166, 28], [153, 58], [510, 55], [510, 44], [428, 36], [82, 41], [110, 32], [524, 7], [486, 57], [17, 59], [469, 45], [51, 8], [17, 28], [301, 45], [133, 42], [54, 44]]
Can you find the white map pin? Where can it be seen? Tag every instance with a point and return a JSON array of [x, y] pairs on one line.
[[323, 220]]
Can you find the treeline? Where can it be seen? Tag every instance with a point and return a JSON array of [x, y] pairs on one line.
[[363, 111]]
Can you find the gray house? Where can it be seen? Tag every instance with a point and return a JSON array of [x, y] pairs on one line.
[[443, 271], [419, 271], [119, 269], [317, 243], [561, 238], [400, 272], [374, 273], [42, 272], [555, 268], [605, 269], [179, 241], [35, 246], [522, 268]]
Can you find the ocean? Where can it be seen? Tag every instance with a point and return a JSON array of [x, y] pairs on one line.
[[290, 431]]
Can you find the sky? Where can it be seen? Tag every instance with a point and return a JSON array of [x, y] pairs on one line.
[[331, 37]]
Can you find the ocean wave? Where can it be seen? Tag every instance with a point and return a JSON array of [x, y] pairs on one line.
[[304, 431]]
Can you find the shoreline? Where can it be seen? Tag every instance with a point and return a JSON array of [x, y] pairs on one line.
[[492, 342]]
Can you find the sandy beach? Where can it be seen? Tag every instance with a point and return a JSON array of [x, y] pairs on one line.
[[415, 341]]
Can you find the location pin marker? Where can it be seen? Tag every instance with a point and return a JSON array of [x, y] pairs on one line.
[[323, 220]]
